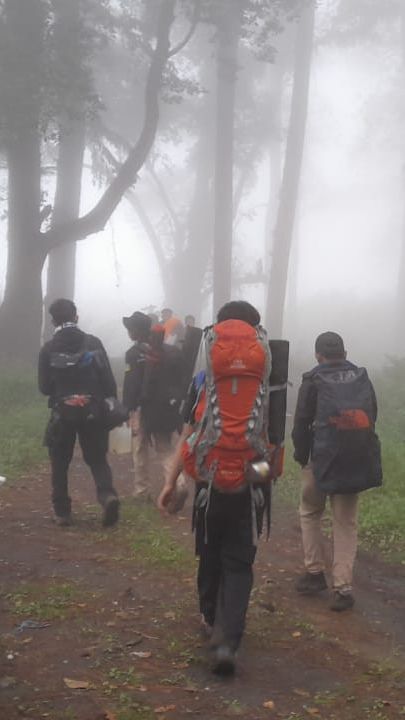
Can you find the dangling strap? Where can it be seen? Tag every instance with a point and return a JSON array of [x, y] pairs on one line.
[[268, 509], [255, 534]]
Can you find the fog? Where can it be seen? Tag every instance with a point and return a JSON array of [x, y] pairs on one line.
[[345, 259]]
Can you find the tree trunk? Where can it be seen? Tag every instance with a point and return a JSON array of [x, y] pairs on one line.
[[399, 341], [21, 311], [71, 58], [227, 58], [284, 228], [275, 158], [62, 265]]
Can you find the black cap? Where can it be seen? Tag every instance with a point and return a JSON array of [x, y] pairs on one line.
[[330, 345], [139, 323]]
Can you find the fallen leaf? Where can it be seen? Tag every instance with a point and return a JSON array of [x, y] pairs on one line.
[[301, 693], [269, 705], [296, 634], [312, 711], [109, 715], [76, 684], [170, 615], [142, 688], [164, 709], [140, 654]]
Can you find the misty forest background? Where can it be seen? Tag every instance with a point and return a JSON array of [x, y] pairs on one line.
[[177, 152]]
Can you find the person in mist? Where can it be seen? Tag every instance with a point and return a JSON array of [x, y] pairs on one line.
[[173, 327], [75, 373], [339, 452], [152, 394], [227, 520], [189, 321]]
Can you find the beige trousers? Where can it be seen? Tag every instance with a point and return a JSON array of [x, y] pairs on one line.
[[344, 525], [145, 452]]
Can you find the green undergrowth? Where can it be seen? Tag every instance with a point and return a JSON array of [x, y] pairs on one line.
[[22, 423], [151, 542], [53, 601]]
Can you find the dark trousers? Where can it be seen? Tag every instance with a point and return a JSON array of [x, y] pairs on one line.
[[60, 439], [224, 544]]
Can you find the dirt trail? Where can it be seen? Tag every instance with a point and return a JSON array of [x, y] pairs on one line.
[[118, 614]]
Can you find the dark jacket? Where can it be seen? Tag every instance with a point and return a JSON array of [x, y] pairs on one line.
[[98, 381], [153, 383], [135, 361], [303, 432]]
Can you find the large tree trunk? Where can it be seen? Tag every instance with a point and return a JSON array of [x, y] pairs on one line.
[[284, 227], [189, 271], [62, 265], [21, 311], [229, 24], [399, 340], [70, 56], [275, 169]]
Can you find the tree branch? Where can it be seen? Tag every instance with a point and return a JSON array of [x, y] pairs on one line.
[[96, 219], [194, 22], [178, 230]]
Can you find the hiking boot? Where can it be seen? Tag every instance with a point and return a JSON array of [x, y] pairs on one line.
[[341, 601], [111, 511], [311, 583], [63, 520], [224, 663]]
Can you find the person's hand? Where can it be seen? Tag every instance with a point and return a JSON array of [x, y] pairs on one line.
[[166, 496], [134, 422]]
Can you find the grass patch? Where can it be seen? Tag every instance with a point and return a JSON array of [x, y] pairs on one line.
[[153, 545], [22, 423], [53, 602]]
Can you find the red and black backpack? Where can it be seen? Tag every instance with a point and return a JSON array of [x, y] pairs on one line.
[[232, 410]]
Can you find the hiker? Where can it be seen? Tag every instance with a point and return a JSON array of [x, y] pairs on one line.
[[339, 452], [74, 371], [226, 432], [152, 394], [173, 327], [189, 321]]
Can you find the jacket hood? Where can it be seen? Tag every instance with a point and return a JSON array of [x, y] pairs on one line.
[[69, 340]]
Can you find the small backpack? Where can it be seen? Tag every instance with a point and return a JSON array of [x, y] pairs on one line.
[[232, 409], [75, 378], [346, 453]]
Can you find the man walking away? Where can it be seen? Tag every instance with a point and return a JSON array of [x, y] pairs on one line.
[[152, 394], [74, 371], [339, 452], [225, 449]]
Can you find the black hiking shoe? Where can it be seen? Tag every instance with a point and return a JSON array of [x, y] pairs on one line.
[[341, 601], [111, 511], [311, 583], [224, 663]]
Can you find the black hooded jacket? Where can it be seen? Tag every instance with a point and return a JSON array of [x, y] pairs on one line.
[[98, 381]]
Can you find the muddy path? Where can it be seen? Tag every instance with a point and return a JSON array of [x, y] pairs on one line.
[[113, 628]]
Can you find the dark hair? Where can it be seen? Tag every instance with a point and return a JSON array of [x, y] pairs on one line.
[[330, 345], [63, 311], [239, 310]]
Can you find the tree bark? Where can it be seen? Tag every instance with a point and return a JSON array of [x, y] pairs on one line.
[[71, 95], [62, 260], [21, 311], [400, 295], [229, 25], [284, 227]]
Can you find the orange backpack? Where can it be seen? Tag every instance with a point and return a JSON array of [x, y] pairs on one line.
[[232, 409]]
